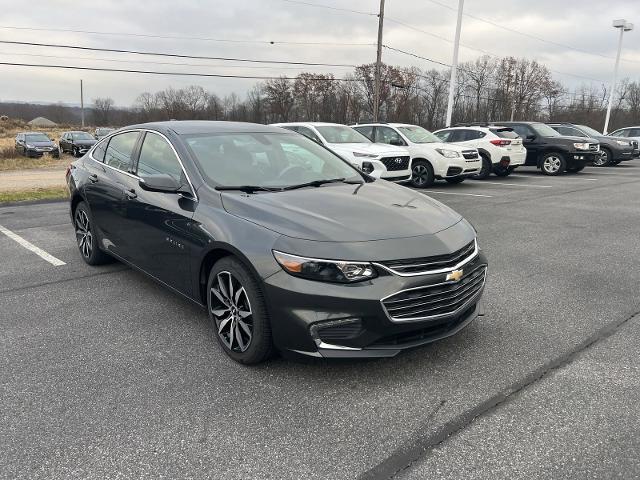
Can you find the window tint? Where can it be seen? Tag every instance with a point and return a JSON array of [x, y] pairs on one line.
[[522, 130], [459, 135], [120, 149], [98, 152], [366, 131], [634, 132], [307, 132], [569, 131], [504, 132], [620, 133], [444, 135], [388, 135], [156, 156]]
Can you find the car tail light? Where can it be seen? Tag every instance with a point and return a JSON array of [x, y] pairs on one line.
[[501, 143]]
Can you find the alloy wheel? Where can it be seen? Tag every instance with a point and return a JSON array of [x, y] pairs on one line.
[[552, 164], [602, 159], [420, 175], [231, 310], [83, 233]]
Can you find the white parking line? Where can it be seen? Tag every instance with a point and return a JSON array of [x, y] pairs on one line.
[[455, 193], [30, 246], [515, 184]]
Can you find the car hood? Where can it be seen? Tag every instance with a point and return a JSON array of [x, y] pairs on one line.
[[373, 148], [85, 143], [42, 144], [343, 212]]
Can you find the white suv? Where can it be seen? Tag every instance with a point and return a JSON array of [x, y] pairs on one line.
[[383, 161], [430, 158], [501, 148]]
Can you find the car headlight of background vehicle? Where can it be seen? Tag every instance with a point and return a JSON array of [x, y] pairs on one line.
[[447, 153], [30, 146], [623, 143], [364, 155], [581, 146], [325, 270]]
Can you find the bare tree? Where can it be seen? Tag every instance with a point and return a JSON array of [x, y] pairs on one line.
[[101, 109]]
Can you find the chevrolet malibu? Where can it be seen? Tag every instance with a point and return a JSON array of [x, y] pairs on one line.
[[286, 245]]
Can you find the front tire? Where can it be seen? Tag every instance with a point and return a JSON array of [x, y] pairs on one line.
[[421, 174], [238, 312], [553, 163], [604, 159], [86, 237], [485, 171]]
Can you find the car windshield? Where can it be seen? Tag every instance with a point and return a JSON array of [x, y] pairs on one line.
[[270, 160], [417, 134], [341, 134], [589, 131], [81, 136], [37, 137], [544, 130]]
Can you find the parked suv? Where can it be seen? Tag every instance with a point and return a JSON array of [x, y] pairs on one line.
[[499, 147], [76, 143], [613, 150], [386, 162], [35, 144], [554, 153], [430, 158]]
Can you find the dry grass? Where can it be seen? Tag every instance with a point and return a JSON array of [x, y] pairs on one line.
[[24, 163], [34, 194]]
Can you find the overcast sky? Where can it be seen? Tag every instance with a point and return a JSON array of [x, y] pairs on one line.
[[583, 24]]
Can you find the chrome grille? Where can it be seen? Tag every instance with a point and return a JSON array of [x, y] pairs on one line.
[[395, 163], [594, 147], [435, 301], [424, 265], [470, 154]]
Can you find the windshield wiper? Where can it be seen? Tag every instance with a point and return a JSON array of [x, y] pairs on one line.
[[247, 188], [317, 183]]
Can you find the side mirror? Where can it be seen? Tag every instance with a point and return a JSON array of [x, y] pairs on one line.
[[397, 142], [530, 138], [160, 183]]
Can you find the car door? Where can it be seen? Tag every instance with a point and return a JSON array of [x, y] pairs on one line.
[[531, 141], [160, 222], [109, 166]]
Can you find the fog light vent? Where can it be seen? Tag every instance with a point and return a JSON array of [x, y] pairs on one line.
[[338, 330]]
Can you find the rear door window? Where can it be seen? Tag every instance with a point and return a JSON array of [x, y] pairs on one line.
[[120, 151], [522, 130], [157, 157]]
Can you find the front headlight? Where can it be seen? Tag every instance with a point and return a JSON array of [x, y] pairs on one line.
[[30, 146], [623, 143], [364, 155], [447, 153], [336, 271], [581, 146]]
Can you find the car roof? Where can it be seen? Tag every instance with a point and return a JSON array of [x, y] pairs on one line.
[[190, 127], [384, 124], [29, 133], [313, 124]]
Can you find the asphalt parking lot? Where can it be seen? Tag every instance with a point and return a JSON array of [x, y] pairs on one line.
[[107, 375]]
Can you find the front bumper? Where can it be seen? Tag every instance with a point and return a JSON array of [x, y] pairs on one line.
[[336, 320], [582, 157], [39, 152]]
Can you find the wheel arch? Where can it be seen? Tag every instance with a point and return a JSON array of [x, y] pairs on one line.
[[484, 152]]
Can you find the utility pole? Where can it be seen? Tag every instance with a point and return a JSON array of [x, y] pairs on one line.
[[624, 26], [81, 104], [378, 72], [454, 65]]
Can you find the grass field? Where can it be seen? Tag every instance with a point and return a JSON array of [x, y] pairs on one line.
[[34, 194]]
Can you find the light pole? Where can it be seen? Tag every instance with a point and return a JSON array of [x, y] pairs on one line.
[[378, 72], [623, 26], [454, 65]]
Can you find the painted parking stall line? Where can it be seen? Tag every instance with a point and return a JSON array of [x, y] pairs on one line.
[[525, 185], [31, 247], [457, 193]]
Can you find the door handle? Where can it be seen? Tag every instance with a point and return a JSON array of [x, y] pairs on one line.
[[131, 194], [93, 178]]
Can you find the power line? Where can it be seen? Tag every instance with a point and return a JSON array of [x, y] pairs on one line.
[[329, 7], [176, 37], [529, 35], [174, 55], [188, 74], [416, 56]]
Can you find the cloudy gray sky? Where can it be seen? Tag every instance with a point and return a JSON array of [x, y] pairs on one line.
[[419, 26]]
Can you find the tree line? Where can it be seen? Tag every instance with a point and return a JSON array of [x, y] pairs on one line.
[[488, 89]]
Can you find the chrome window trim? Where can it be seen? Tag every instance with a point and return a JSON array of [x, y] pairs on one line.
[[146, 130], [462, 263], [461, 308]]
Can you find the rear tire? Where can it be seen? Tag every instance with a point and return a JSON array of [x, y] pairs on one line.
[[421, 174], [553, 163], [503, 172], [485, 171], [86, 236], [238, 312], [455, 180]]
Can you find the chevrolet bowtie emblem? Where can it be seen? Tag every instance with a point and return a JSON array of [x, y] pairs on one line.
[[455, 276]]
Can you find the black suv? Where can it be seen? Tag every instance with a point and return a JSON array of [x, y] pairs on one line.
[[35, 144], [613, 150], [76, 143], [554, 153]]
